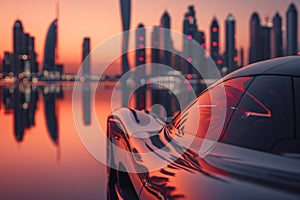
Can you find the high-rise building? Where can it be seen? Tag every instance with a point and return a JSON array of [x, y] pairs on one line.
[[125, 13], [201, 39], [292, 30], [242, 57], [18, 44], [166, 42], [32, 55], [7, 64], [190, 32], [214, 39], [140, 52], [215, 43], [18, 37], [255, 39], [86, 59], [230, 51], [50, 46], [24, 56], [140, 61], [265, 42], [276, 37], [155, 51], [51, 70]]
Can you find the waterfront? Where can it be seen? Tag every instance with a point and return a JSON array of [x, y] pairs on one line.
[[38, 166], [41, 149]]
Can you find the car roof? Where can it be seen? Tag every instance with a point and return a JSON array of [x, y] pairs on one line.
[[288, 66]]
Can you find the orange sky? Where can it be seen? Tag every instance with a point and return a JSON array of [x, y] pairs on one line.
[[100, 19]]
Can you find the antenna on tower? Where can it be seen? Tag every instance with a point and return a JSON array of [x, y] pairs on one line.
[[57, 17], [57, 10]]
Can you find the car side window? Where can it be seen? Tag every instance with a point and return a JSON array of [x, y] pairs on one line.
[[297, 105], [205, 117], [264, 117]]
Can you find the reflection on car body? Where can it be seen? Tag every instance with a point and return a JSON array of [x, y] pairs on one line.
[[257, 151]]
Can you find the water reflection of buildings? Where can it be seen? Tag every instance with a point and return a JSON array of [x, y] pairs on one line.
[[24, 106], [21, 101], [50, 112], [86, 71], [86, 95]]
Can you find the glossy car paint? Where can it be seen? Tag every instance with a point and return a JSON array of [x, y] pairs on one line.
[[227, 172]]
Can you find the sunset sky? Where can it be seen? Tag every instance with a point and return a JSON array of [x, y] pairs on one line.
[[100, 20]]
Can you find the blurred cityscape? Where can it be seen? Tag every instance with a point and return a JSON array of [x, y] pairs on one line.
[[268, 39]]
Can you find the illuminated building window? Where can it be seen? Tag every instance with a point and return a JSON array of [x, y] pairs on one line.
[[141, 59], [214, 29], [141, 38]]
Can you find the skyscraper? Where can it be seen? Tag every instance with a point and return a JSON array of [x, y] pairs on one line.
[[125, 13], [50, 46], [165, 37], [292, 30], [24, 56], [255, 39], [140, 45], [265, 42], [242, 57], [86, 59], [155, 51], [140, 54], [230, 52], [7, 64], [214, 39], [201, 39], [215, 43], [276, 37], [32, 55], [18, 44], [18, 37], [190, 32]]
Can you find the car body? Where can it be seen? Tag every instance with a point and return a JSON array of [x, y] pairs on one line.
[[255, 156]]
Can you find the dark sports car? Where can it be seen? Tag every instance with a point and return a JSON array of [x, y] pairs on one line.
[[253, 153]]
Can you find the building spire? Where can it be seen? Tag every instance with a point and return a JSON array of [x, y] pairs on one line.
[[57, 10], [57, 17]]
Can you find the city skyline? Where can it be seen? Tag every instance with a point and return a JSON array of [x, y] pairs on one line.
[[69, 51]]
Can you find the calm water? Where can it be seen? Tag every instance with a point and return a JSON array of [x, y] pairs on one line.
[[42, 154]]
